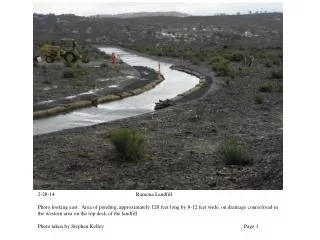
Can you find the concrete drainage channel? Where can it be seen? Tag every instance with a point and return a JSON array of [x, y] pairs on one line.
[[176, 82]]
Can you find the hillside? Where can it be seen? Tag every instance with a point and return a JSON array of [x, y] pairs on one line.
[[143, 14], [209, 31]]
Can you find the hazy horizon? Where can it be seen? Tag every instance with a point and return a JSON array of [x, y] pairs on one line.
[[203, 9]]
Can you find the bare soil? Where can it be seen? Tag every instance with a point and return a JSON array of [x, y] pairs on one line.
[[49, 82]]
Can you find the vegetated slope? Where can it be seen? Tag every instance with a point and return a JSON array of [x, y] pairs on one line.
[[143, 14], [146, 29]]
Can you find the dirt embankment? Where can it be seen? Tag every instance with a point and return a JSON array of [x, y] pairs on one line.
[[53, 81], [62, 89], [182, 142]]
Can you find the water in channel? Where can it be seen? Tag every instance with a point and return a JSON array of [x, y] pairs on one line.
[[175, 82]]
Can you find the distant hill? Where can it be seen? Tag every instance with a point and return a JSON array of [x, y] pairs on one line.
[[144, 14], [209, 31]]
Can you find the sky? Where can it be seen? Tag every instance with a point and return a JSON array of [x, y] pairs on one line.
[[87, 8]]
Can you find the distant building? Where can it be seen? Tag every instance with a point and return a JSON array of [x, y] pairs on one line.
[[247, 34]]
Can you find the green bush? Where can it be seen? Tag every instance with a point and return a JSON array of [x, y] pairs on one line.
[[266, 88], [234, 154], [220, 65], [277, 74], [262, 55], [202, 58], [241, 72], [267, 65], [129, 143], [278, 88], [222, 69], [236, 57], [276, 61], [217, 59]]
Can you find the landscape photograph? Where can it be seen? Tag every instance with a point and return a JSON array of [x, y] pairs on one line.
[[157, 96]]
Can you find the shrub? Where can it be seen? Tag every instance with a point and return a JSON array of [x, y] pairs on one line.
[[267, 65], [262, 55], [276, 74], [202, 58], [68, 74], [266, 88], [222, 69], [129, 143], [217, 59], [242, 72], [276, 61], [258, 100], [234, 154], [221, 65], [236, 57], [278, 88], [103, 65]]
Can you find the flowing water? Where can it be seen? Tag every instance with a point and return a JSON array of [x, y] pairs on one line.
[[175, 82]]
